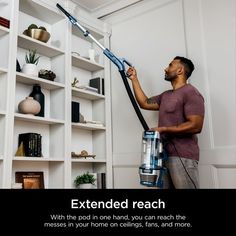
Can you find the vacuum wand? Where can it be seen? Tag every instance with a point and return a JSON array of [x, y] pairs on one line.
[[120, 63], [151, 170], [75, 22]]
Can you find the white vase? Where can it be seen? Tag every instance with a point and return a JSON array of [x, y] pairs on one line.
[[91, 55], [30, 69], [86, 186], [29, 106]]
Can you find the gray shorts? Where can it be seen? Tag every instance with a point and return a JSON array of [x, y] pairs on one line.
[[182, 173]]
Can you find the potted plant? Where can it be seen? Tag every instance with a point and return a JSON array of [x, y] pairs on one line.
[[86, 180], [39, 33], [31, 60]]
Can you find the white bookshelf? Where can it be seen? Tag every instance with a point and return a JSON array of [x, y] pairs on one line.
[[3, 71], [37, 119], [76, 160], [93, 138], [3, 31], [5, 12], [30, 80], [86, 64], [88, 126], [35, 159], [42, 48], [86, 94], [59, 135]]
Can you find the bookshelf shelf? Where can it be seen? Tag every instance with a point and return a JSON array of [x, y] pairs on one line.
[[3, 31], [42, 48], [86, 94], [37, 119], [76, 160], [2, 113], [40, 11], [88, 126], [86, 64], [30, 80], [3, 71], [35, 159]]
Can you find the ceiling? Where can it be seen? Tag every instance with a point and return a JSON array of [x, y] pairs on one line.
[[101, 8], [93, 5]]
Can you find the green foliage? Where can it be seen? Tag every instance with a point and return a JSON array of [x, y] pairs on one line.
[[32, 26], [42, 28], [32, 57], [85, 178]]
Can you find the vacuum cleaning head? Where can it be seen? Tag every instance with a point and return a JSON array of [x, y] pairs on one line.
[[149, 176]]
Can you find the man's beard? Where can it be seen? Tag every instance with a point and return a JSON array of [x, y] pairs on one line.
[[170, 76]]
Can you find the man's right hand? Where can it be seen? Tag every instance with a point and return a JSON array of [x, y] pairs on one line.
[[131, 73], [143, 101]]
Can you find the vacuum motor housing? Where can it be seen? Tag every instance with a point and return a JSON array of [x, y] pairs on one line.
[[151, 168]]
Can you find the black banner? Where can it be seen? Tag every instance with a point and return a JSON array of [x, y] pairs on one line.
[[121, 210]]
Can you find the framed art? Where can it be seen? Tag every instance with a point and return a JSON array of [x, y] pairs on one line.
[[30, 180]]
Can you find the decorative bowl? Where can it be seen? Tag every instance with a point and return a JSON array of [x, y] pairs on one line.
[[38, 34]]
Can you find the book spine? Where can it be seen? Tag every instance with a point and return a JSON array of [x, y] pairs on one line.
[[39, 154]]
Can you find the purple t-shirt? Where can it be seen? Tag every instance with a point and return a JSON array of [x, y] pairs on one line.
[[175, 106]]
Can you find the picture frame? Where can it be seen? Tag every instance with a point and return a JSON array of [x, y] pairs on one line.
[[30, 180]]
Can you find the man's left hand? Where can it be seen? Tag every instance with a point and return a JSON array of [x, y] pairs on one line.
[[159, 129]]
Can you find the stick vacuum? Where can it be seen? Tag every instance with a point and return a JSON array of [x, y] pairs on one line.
[[151, 169]]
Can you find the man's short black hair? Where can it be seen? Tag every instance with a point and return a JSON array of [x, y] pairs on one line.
[[189, 66]]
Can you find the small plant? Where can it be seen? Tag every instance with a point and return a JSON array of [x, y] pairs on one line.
[[31, 57], [75, 81], [85, 178], [34, 26]]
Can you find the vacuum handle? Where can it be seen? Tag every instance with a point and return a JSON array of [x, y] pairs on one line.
[[133, 101], [127, 62]]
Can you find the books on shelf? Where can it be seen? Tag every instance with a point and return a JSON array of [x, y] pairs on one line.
[[98, 83], [4, 22], [30, 179], [29, 145], [75, 111]]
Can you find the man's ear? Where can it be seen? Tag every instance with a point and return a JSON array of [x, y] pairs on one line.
[[180, 70]]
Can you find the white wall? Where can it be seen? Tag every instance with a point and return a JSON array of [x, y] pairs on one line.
[[149, 35]]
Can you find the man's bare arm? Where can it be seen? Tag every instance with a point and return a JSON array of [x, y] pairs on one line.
[[193, 125], [143, 101]]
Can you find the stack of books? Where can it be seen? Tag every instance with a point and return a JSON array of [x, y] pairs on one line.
[[32, 144], [4, 22]]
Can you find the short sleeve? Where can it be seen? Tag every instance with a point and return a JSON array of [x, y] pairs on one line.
[[194, 104], [158, 98]]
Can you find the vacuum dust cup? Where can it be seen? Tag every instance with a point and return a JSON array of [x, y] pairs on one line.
[[152, 159]]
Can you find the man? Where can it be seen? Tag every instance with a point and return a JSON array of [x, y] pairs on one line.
[[181, 116]]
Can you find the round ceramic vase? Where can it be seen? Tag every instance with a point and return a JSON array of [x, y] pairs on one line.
[[29, 106]]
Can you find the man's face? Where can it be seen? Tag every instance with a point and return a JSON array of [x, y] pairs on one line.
[[171, 70]]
